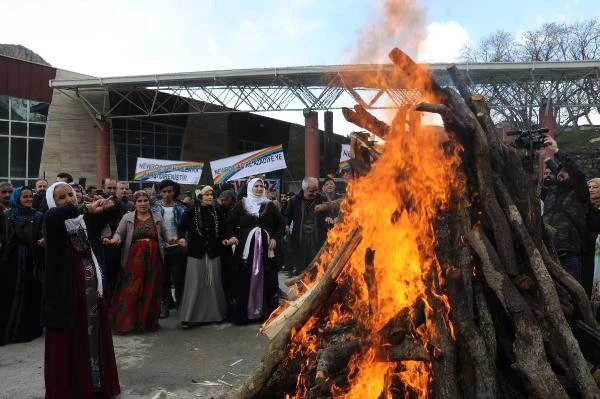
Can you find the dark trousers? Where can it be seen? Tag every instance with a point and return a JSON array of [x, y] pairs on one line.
[[572, 263], [174, 274]]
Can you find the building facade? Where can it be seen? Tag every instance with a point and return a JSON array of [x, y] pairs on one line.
[[44, 132]]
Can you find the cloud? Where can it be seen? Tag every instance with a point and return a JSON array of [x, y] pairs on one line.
[[443, 42], [275, 26]]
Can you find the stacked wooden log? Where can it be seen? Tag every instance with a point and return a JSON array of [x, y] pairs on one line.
[[512, 306]]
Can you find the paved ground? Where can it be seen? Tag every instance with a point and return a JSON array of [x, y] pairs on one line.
[[202, 362]]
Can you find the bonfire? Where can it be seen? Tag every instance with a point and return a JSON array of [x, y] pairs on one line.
[[441, 280]]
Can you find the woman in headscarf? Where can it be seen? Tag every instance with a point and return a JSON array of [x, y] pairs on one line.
[[593, 228], [203, 296], [21, 270], [136, 300], [259, 225], [79, 356]]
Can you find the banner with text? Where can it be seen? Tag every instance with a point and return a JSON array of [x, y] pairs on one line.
[[248, 164], [181, 172], [345, 158]]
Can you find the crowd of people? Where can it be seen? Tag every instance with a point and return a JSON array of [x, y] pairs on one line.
[[571, 208], [78, 265]]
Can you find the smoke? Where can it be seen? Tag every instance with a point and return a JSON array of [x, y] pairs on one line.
[[395, 23]]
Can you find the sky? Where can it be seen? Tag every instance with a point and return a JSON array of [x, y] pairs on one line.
[[134, 37]]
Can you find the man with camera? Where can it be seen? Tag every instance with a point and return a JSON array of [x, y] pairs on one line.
[[566, 200]]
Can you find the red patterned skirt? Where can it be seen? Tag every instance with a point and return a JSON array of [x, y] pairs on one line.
[[67, 362], [136, 300]]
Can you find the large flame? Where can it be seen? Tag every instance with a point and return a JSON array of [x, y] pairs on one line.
[[396, 205]]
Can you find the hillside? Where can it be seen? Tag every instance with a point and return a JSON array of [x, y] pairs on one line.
[[21, 53]]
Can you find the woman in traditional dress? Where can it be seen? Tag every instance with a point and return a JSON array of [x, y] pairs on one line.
[[79, 356], [21, 270], [259, 225], [203, 296], [136, 300]]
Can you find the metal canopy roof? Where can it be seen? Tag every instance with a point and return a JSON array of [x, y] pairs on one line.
[[318, 75], [321, 87]]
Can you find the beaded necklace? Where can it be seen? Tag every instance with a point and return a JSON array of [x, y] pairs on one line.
[[198, 219]]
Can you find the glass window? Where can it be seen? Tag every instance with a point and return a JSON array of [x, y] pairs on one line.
[[4, 158], [34, 157], [121, 155], [147, 152], [37, 130], [4, 107], [147, 138], [38, 112], [174, 154], [131, 161], [119, 136], [18, 129], [160, 139], [147, 127], [18, 109], [21, 141], [135, 138], [175, 141], [118, 124], [18, 156], [160, 152], [133, 124]]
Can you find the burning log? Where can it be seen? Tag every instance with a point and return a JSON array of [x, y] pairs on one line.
[[287, 323], [360, 117], [465, 297]]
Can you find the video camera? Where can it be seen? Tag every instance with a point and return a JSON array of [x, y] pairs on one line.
[[529, 139]]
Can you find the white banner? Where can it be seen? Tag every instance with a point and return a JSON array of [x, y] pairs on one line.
[[345, 157], [181, 172], [248, 164]]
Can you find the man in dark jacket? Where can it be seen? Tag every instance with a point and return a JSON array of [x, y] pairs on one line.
[[566, 201], [175, 256], [308, 228], [40, 192]]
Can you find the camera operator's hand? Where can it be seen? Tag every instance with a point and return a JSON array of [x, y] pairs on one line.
[[551, 145]]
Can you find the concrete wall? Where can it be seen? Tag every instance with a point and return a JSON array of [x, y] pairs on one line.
[[70, 142]]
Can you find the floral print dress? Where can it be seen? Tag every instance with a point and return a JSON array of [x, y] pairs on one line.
[[136, 301]]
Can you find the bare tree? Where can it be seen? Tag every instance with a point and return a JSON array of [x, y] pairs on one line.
[[546, 43], [553, 41], [496, 47], [584, 43]]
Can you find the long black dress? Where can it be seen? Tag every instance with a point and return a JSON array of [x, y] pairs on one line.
[[20, 277], [79, 359], [247, 278]]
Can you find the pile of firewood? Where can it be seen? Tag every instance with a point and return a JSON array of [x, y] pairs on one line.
[[513, 308]]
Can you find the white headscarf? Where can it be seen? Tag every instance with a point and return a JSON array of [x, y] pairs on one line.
[[253, 202], [73, 225]]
